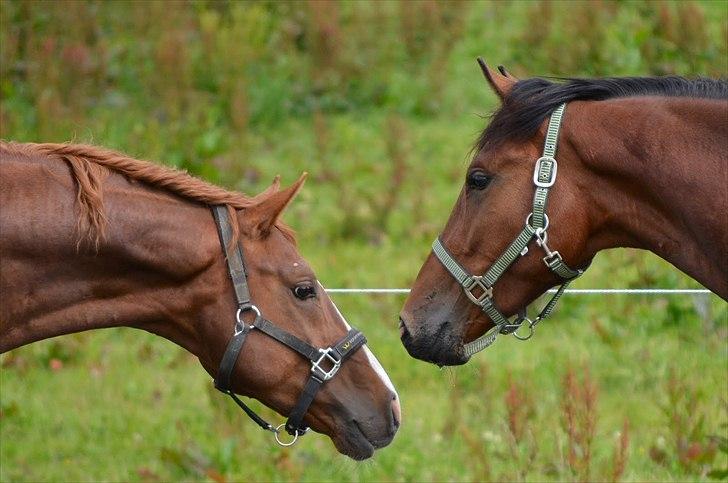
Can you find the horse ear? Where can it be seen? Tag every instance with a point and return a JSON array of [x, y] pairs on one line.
[[501, 83], [506, 73], [258, 220], [273, 188]]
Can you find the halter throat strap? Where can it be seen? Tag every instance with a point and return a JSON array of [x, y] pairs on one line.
[[479, 288], [325, 362]]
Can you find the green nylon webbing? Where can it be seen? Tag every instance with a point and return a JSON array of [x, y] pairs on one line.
[[552, 133], [536, 225], [560, 268], [449, 262], [546, 311], [509, 256], [546, 167], [495, 315], [539, 208]]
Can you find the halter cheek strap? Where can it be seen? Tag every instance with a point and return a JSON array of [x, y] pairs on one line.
[[325, 363], [479, 288]]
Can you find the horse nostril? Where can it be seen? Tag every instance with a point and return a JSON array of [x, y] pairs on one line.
[[403, 331], [396, 412]]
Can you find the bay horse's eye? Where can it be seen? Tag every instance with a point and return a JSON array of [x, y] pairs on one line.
[[478, 180], [304, 291]]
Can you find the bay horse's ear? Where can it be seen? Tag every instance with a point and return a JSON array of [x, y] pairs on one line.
[[258, 220], [501, 82], [506, 73]]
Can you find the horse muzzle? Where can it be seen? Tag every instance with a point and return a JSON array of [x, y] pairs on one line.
[[359, 433], [439, 346]]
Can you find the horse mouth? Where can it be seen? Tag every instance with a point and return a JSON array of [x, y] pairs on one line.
[[353, 443], [437, 348]]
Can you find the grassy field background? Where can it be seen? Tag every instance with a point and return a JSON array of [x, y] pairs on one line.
[[380, 102]]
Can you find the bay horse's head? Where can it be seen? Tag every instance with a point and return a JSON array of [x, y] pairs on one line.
[[493, 258], [297, 354]]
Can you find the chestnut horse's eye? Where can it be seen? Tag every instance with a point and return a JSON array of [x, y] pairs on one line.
[[478, 180], [304, 292]]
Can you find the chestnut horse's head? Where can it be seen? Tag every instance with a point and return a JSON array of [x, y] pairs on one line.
[[451, 303], [358, 407]]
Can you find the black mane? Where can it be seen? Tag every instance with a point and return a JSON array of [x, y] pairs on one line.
[[532, 100]]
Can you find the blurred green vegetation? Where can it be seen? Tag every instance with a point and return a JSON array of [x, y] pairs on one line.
[[380, 102]]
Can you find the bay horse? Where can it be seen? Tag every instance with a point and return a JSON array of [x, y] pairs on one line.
[[641, 163], [91, 238]]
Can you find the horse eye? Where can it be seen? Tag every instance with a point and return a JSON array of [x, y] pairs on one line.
[[304, 291], [478, 180]]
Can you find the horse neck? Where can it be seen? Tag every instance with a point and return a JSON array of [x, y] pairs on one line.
[[158, 268], [655, 172]]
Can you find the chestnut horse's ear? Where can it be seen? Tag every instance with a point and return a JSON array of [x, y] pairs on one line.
[[258, 220], [501, 82], [273, 188]]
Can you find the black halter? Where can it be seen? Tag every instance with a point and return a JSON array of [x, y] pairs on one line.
[[325, 363]]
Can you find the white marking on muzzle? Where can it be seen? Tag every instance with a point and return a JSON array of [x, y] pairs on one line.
[[370, 356]]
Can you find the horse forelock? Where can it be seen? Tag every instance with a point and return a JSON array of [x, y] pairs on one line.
[[90, 164]]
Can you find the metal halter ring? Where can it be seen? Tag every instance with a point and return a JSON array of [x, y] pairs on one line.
[[531, 323], [277, 431], [240, 323], [545, 226]]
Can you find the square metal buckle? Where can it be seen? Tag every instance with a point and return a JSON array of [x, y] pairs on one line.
[[476, 282], [326, 356], [537, 171], [552, 259]]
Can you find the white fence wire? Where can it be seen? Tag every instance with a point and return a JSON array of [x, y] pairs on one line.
[[570, 291]]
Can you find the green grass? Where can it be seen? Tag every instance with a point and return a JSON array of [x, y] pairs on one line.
[[126, 405], [237, 93]]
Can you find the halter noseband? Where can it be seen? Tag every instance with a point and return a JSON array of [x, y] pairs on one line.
[[479, 288], [325, 363]]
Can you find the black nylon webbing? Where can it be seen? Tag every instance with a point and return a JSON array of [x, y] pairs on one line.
[[251, 414], [232, 352], [234, 257], [349, 344], [295, 419], [342, 350], [305, 349]]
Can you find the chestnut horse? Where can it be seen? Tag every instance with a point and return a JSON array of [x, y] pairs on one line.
[[91, 238], [641, 162]]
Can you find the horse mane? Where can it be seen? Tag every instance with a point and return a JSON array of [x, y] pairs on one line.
[[90, 164], [530, 101]]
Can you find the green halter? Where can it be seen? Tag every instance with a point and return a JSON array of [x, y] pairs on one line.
[[479, 288]]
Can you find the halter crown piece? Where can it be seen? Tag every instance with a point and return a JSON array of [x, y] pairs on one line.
[[479, 288], [325, 363]]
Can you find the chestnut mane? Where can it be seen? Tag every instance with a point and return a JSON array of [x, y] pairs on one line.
[[90, 164]]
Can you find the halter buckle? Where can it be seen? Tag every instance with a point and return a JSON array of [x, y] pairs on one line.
[[552, 172], [476, 281], [552, 259], [319, 371]]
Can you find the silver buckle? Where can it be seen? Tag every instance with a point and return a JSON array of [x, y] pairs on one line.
[[325, 356], [475, 281], [537, 169], [552, 258]]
